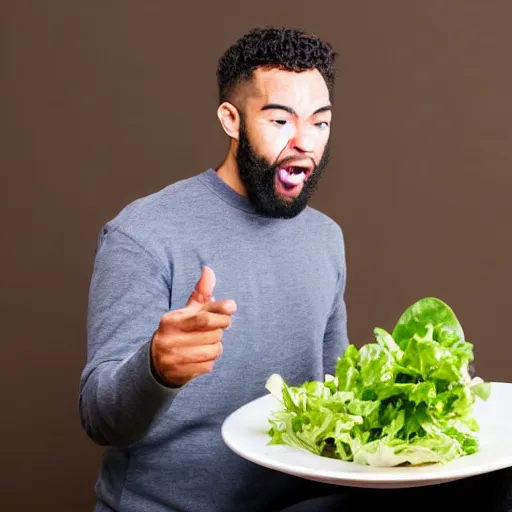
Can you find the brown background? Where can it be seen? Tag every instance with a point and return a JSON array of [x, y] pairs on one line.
[[103, 102]]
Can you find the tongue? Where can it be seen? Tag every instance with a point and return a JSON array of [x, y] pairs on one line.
[[290, 178]]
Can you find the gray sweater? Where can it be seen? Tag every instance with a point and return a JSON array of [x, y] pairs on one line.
[[164, 450]]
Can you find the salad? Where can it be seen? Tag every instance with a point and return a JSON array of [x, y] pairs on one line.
[[405, 399]]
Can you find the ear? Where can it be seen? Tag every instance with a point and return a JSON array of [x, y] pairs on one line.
[[229, 119]]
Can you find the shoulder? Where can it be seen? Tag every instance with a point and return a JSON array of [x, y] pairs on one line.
[[158, 207], [148, 221]]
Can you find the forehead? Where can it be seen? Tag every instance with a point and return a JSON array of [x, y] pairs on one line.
[[304, 91]]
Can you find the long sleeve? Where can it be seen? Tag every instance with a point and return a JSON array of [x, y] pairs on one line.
[[336, 336], [129, 292]]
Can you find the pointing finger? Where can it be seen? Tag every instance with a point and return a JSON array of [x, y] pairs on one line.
[[225, 307], [205, 321]]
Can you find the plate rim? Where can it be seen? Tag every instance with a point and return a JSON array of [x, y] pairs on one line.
[[379, 475]]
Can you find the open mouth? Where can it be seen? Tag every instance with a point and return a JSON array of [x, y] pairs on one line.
[[293, 175]]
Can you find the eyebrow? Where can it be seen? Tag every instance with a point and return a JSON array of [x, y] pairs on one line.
[[276, 106]]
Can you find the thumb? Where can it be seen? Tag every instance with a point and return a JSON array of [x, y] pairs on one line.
[[203, 291]]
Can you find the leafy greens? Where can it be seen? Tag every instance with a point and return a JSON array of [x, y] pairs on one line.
[[405, 399]]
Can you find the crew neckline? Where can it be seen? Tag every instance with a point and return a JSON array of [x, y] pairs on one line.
[[220, 188]]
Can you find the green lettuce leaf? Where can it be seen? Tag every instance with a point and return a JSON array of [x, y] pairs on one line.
[[405, 399]]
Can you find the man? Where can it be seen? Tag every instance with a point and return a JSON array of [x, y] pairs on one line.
[[204, 289]]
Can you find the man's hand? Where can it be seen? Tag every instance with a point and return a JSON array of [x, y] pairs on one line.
[[189, 340]]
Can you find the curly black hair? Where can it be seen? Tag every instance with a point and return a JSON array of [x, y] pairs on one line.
[[274, 47]]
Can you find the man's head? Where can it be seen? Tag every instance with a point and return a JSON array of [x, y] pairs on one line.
[[275, 91]]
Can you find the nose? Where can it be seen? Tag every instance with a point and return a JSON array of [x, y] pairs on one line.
[[303, 140]]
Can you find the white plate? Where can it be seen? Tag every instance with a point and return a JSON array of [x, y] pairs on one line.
[[245, 432]]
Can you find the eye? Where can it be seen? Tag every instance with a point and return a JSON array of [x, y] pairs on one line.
[[280, 122], [322, 124]]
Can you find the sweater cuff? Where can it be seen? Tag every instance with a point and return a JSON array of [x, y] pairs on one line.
[[144, 380]]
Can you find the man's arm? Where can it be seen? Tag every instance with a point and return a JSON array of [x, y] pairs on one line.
[[336, 336], [129, 293]]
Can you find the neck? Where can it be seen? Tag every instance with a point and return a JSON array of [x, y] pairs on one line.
[[228, 171]]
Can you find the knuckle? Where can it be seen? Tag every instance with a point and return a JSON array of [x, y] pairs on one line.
[[177, 358], [167, 317], [157, 338], [202, 319], [162, 342], [159, 344], [167, 320], [171, 357]]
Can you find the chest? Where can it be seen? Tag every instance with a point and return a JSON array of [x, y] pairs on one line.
[[273, 280], [284, 290]]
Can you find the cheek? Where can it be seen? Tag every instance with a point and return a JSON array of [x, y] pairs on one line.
[[272, 141], [321, 144], [282, 138]]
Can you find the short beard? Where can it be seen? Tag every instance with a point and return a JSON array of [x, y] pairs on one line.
[[258, 178]]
